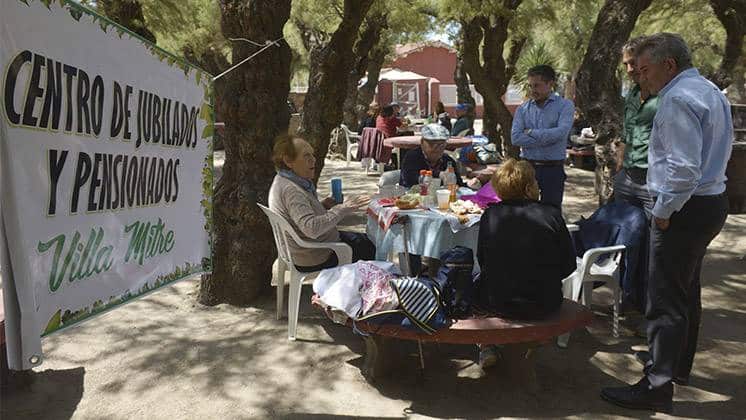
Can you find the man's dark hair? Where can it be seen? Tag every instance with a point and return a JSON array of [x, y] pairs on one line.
[[387, 111], [546, 72]]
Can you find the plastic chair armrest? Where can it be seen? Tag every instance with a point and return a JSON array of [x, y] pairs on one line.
[[343, 251]]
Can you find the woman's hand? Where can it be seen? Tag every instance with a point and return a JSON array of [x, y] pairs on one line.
[[329, 202], [356, 202]]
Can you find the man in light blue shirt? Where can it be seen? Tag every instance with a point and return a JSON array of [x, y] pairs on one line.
[[690, 145], [540, 127]]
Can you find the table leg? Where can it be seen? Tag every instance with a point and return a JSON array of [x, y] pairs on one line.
[[521, 365], [377, 357]]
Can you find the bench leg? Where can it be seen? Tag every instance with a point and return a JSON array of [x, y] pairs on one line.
[[520, 365], [377, 359]]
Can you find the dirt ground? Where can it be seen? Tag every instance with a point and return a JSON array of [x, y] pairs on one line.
[[167, 357]]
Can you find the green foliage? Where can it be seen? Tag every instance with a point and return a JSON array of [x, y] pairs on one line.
[[407, 21], [697, 24], [535, 55]]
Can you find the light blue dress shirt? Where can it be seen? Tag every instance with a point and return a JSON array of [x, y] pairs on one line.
[[550, 126], [690, 143]]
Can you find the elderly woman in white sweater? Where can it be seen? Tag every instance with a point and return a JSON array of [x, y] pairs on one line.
[[293, 195]]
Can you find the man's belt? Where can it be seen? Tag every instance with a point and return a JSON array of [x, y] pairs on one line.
[[638, 175], [547, 162]]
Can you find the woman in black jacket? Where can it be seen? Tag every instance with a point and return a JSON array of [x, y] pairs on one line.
[[524, 251]]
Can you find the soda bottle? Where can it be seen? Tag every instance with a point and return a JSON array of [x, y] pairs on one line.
[[423, 185]]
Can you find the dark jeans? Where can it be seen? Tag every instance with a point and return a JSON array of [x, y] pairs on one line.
[[674, 307], [551, 181], [630, 186], [362, 249]]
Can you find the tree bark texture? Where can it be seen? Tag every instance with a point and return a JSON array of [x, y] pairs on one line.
[[127, 13], [732, 14], [597, 86], [363, 51], [460, 76], [330, 65], [255, 113], [368, 90], [492, 73]]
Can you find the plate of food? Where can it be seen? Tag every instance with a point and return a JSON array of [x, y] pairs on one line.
[[407, 202]]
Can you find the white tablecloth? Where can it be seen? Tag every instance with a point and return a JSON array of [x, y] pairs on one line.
[[430, 234]]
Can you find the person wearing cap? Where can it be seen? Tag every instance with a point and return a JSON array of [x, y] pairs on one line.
[[429, 156], [464, 121], [541, 127]]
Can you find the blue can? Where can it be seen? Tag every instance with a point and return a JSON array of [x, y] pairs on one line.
[[337, 190]]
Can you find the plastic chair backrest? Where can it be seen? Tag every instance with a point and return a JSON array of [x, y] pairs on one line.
[[280, 227], [389, 178]]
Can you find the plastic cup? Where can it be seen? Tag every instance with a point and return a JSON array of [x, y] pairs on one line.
[[444, 199]]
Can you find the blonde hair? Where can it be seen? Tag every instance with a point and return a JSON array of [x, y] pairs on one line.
[[284, 147], [515, 179]]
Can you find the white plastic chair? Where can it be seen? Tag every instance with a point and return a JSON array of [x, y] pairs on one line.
[[389, 178], [282, 232], [590, 271], [352, 139]]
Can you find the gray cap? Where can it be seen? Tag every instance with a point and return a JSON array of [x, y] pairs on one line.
[[435, 132]]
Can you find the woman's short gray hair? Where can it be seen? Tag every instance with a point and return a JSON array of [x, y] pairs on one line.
[[665, 45]]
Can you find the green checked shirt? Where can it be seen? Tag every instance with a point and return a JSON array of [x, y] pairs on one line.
[[638, 122]]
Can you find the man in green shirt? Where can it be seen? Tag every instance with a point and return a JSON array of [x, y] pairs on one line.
[[630, 183]]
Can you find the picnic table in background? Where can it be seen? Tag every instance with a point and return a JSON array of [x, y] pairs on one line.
[[412, 142]]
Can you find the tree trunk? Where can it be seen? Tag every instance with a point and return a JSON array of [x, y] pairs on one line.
[[363, 51], [492, 77], [255, 113], [732, 14], [460, 76], [368, 90], [597, 86], [215, 62], [127, 13], [330, 66]]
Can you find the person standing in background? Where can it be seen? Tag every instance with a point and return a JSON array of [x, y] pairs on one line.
[[541, 128]]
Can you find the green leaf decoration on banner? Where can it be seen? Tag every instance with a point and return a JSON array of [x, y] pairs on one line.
[[46, 3], [24, 2], [54, 322], [171, 61], [208, 131], [198, 76]]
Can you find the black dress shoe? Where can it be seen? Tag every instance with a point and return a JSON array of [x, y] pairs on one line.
[[641, 396], [644, 358]]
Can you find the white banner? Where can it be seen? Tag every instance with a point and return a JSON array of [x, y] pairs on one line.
[[106, 168]]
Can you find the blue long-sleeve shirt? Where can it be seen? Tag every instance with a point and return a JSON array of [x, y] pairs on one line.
[[690, 143], [550, 125]]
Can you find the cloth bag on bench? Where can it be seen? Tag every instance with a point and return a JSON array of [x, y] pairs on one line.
[[420, 307]]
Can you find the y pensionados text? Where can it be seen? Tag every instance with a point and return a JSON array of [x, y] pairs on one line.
[[114, 181], [158, 120]]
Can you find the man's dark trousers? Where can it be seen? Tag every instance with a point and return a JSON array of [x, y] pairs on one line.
[[673, 305], [551, 179]]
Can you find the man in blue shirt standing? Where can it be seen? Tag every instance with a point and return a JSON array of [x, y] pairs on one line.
[[688, 152], [540, 127]]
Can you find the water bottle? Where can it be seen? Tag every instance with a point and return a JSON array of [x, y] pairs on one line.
[[337, 190]]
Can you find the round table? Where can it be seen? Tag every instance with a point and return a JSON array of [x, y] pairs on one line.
[[413, 142]]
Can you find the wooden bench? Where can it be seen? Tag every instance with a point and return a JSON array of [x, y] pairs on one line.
[[518, 339]]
